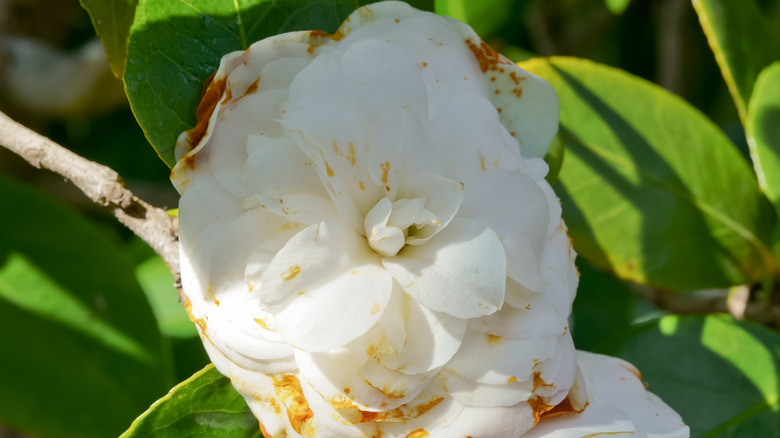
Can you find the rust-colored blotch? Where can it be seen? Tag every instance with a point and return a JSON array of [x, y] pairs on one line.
[[212, 93], [288, 389]]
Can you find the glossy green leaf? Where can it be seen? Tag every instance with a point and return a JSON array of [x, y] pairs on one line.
[[763, 131], [112, 20], [651, 189], [204, 405], [81, 353], [744, 41], [176, 45], [484, 16], [720, 374]]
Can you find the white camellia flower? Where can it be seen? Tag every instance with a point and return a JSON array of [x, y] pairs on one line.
[[370, 249]]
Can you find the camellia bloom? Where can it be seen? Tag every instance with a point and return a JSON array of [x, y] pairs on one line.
[[370, 249]]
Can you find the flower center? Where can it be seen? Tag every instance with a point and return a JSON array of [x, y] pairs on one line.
[[391, 225]]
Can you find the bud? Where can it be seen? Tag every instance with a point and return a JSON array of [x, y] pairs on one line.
[[369, 247]]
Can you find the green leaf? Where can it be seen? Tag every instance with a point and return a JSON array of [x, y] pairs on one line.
[[484, 16], [721, 375], [112, 20], [204, 405], [81, 353], [763, 131], [176, 45], [652, 189], [157, 282], [604, 306], [743, 40]]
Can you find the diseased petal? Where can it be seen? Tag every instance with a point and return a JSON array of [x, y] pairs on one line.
[[617, 403], [472, 393], [494, 360], [322, 271], [461, 271]]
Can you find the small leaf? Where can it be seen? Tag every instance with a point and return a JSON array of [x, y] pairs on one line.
[[176, 45], [617, 7], [203, 405], [112, 20], [743, 41], [763, 131], [719, 374], [554, 159], [81, 353], [651, 189]]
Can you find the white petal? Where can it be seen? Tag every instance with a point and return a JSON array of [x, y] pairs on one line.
[[529, 105], [493, 422], [279, 177], [322, 271], [513, 206], [468, 134], [495, 360], [460, 271], [443, 198], [472, 393], [432, 338], [617, 403], [536, 319]]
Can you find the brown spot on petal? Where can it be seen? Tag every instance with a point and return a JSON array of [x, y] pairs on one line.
[[487, 57], [351, 153], [539, 382], [418, 433], [347, 391], [288, 390], [385, 171], [362, 187], [265, 432], [199, 321], [494, 340], [511, 379], [291, 273], [212, 93], [632, 370], [316, 39], [251, 89], [261, 322]]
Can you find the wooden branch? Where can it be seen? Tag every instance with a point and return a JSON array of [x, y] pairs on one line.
[[102, 185]]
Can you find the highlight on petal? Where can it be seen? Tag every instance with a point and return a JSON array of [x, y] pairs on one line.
[[325, 270], [461, 271]]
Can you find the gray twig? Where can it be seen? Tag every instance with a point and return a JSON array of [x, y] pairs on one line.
[[102, 185]]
